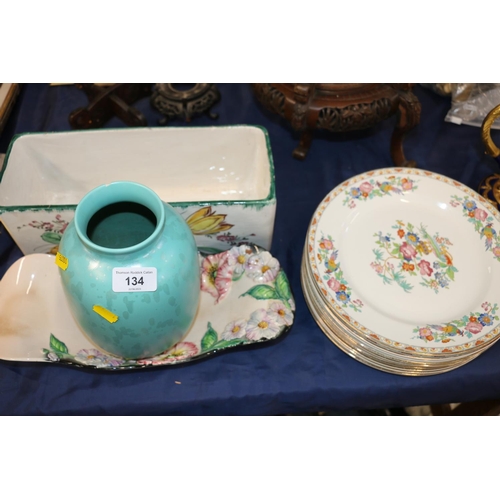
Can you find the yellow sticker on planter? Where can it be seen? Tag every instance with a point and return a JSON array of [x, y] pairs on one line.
[[62, 261], [107, 315]]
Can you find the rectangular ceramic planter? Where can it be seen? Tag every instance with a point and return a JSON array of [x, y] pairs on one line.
[[220, 179]]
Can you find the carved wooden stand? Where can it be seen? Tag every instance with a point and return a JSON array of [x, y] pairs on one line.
[[104, 103], [342, 108], [173, 102]]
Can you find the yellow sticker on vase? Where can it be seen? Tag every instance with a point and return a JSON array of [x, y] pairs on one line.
[[62, 261], [107, 315]]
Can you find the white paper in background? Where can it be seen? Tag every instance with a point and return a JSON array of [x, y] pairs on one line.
[[471, 102]]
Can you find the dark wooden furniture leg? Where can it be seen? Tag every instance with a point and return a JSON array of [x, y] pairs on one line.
[[300, 152], [408, 117]]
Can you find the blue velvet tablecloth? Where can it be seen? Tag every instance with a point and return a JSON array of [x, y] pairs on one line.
[[303, 372]]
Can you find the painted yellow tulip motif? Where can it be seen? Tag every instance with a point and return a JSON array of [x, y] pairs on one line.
[[205, 221]]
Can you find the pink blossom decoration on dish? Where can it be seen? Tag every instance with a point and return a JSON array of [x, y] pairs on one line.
[[373, 188], [263, 267], [217, 274], [181, 350], [326, 244], [411, 252], [283, 314], [480, 214], [407, 250], [424, 333], [262, 325], [467, 326], [234, 330], [333, 284], [484, 223], [474, 327], [334, 276], [96, 358], [241, 256], [366, 187], [425, 268]]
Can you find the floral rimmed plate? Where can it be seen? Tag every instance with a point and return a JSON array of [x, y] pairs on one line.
[[409, 259], [368, 345], [361, 353], [246, 299]]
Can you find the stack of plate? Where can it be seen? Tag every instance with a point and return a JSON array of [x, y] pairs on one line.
[[401, 270]]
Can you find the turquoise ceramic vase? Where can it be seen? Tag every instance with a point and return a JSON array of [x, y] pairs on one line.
[[132, 277]]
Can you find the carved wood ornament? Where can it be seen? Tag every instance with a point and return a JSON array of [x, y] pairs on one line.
[[339, 107]]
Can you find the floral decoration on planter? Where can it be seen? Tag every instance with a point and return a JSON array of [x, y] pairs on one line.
[[372, 188], [52, 231], [482, 221], [205, 221], [413, 254], [333, 275], [467, 326]]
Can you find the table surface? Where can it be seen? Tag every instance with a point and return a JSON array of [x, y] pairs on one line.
[[303, 372]]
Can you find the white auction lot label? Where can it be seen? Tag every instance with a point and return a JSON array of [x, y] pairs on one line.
[[134, 279]]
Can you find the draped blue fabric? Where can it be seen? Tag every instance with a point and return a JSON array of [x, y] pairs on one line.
[[303, 372]]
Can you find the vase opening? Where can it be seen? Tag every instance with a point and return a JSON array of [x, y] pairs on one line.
[[121, 225]]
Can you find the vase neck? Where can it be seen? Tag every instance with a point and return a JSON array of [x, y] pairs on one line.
[[118, 218]]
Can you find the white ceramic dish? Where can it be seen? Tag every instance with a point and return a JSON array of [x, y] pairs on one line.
[[252, 304], [221, 180], [410, 259]]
